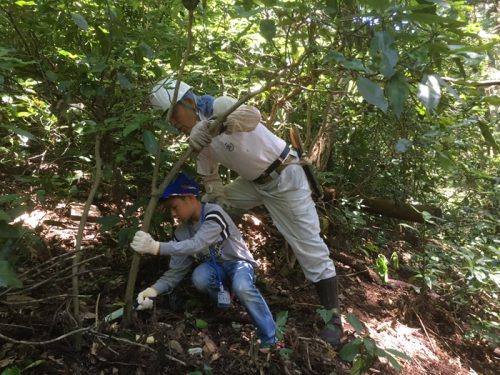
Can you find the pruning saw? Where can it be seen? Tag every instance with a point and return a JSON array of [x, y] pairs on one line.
[[316, 188]]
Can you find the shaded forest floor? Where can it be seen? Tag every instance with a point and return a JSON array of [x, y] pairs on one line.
[[165, 341]]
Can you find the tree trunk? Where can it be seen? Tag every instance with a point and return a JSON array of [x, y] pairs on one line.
[[321, 148], [404, 211]]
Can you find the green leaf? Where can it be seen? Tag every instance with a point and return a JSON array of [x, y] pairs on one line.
[[395, 259], [332, 7], [488, 136], [4, 216], [8, 277], [150, 142], [166, 126], [432, 19], [326, 314], [11, 371], [285, 353], [354, 64], [354, 322], [108, 222], [8, 198], [376, 4], [350, 350], [268, 29], [8, 231], [445, 160], [87, 90], [125, 236], [397, 92], [429, 92], [130, 128], [370, 345], [398, 354], [382, 268], [281, 318], [372, 93], [494, 100], [340, 59], [34, 364], [22, 3], [124, 82], [359, 366], [427, 217], [383, 51], [394, 362], [19, 131], [201, 324], [80, 21]]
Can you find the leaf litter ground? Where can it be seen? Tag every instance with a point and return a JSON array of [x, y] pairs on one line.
[[183, 334]]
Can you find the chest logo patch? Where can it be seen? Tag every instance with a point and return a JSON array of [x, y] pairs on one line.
[[229, 146]]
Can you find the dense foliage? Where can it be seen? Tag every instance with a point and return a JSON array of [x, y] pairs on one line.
[[396, 99]]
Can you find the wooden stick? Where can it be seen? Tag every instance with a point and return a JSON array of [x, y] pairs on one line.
[[75, 332]]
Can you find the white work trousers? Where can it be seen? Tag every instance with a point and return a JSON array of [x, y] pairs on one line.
[[288, 200]]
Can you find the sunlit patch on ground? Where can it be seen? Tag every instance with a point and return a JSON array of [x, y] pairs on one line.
[[31, 219]]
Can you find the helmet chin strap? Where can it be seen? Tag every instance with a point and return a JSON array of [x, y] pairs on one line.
[[191, 107]]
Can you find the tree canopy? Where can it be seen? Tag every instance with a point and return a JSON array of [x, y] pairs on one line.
[[396, 100]]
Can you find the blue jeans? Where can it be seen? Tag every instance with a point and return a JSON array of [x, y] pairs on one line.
[[240, 277]]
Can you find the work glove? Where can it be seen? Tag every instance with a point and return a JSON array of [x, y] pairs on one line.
[[200, 136], [244, 119], [144, 301], [143, 243], [214, 191]]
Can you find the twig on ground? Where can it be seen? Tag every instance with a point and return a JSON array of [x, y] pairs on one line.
[[97, 309], [425, 330], [103, 335], [55, 275], [49, 263], [322, 342], [16, 326], [308, 359], [14, 341], [42, 299], [83, 272], [107, 346]]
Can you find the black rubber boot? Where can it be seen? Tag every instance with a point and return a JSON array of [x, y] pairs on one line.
[[328, 296]]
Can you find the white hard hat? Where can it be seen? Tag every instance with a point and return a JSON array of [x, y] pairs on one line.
[[163, 93]]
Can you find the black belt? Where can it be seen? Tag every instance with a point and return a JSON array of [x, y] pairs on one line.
[[264, 177]]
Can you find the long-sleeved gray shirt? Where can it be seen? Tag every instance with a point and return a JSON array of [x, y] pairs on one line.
[[192, 241]]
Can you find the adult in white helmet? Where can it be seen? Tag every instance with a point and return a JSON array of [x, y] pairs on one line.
[[269, 174]]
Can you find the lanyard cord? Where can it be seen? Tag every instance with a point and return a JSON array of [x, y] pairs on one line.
[[212, 262]]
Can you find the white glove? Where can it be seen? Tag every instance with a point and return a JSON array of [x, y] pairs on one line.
[[200, 136], [143, 243], [214, 191], [144, 301]]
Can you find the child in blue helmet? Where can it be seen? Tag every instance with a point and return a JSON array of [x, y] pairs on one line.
[[208, 237]]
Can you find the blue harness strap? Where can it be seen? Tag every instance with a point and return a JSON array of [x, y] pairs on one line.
[[211, 249]]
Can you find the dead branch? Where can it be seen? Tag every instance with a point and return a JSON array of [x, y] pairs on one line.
[[14, 341]]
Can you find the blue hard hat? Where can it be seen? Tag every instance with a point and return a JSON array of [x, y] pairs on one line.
[[182, 185]]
